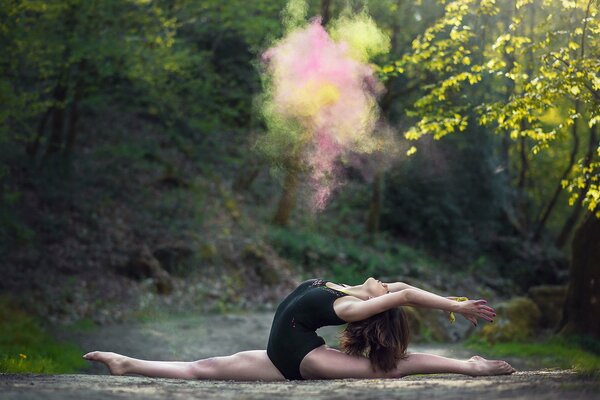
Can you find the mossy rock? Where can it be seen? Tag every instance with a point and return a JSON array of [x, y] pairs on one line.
[[175, 258], [143, 265], [266, 263], [208, 251], [431, 326], [550, 300], [517, 319]]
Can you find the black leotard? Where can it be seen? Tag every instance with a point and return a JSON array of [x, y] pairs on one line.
[[293, 336]]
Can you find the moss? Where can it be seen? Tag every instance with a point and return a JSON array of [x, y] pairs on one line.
[[25, 347]]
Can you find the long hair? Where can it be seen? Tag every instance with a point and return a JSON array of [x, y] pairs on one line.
[[383, 338]]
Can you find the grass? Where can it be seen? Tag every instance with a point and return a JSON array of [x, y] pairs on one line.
[[25, 347], [569, 353]]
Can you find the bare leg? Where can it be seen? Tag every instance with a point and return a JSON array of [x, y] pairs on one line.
[[419, 363], [328, 363], [246, 365]]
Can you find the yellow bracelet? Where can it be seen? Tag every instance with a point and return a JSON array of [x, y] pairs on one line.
[[451, 317]]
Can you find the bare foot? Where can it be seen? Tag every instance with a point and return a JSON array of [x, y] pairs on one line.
[[482, 367], [116, 363]]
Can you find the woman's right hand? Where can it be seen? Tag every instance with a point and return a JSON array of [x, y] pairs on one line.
[[473, 309]]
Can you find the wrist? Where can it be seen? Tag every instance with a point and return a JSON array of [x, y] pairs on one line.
[[456, 306]]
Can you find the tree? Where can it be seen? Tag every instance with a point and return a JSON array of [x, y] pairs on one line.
[[552, 66], [59, 54]]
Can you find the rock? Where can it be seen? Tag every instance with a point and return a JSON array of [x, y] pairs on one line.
[[517, 319], [434, 326], [418, 327], [269, 267], [143, 265], [175, 257], [550, 300]]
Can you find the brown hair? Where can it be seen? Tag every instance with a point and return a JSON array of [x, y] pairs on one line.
[[383, 338]]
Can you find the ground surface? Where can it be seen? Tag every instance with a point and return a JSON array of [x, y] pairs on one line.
[[189, 338]]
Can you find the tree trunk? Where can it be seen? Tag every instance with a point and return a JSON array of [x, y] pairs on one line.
[[558, 190], [325, 12], [523, 202], [58, 121], [288, 197], [33, 147], [582, 305], [74, 112]]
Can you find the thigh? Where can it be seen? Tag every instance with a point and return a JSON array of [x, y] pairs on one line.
[[327, 363], [253, 365]]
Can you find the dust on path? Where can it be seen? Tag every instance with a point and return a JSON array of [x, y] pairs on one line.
[[195, 337]]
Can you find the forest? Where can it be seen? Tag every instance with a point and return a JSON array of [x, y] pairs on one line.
[[143, 171]]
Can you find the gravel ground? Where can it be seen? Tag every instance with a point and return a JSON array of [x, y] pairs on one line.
[[522, 385]]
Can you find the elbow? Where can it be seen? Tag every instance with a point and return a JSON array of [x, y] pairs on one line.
[[408, 297]]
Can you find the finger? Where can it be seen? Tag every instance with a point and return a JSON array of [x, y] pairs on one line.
[[488, 313], [487, 318], [478, 302]]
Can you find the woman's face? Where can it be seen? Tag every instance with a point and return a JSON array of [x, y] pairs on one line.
[[375, 287]]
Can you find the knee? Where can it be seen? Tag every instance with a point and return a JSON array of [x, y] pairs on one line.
[[395, 374], [207, 368]]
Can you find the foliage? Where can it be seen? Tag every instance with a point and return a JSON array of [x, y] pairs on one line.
[[52, 50], [165, 91], [588, 176], [543, 64], [347, 260], [185, 63], [25, 347]]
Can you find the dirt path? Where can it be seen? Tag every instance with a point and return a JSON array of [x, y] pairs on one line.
[[190, 338], [525, 385]]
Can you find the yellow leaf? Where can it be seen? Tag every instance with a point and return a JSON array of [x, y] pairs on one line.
[[451, 316], [411, 151], [574, 90]]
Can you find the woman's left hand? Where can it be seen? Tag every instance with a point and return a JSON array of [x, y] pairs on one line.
[[473, 309]]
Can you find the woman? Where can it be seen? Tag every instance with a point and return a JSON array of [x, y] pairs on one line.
[[374, 342]]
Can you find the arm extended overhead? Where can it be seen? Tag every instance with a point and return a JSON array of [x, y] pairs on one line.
[[356, 310]]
